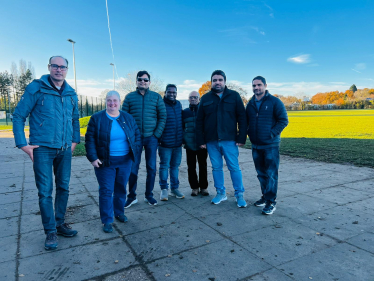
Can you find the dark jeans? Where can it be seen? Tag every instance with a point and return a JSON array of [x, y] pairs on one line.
[[112, 187], [150, 144], [45, 159], [267, 165], [201, 156], [170, 158]]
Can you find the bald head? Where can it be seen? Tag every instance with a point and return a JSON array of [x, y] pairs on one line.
[[194, 98]]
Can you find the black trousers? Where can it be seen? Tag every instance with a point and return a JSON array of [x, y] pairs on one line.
[[201, 157]]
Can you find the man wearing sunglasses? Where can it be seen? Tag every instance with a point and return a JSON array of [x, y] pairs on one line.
[[148, 110], [54, 132]]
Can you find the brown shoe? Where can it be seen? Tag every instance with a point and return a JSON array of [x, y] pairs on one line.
[[195, 192], [204, 192]]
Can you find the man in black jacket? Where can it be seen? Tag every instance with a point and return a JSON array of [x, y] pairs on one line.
[[193, 152], [220, 128], [266, 118]]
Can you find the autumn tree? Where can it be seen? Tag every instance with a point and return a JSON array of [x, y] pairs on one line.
[[353, 88], [205, 88]]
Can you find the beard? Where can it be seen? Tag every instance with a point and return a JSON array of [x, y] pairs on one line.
[[214, 90]]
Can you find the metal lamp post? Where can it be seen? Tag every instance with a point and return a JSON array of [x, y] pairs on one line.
[[114, 79], [75, 78]]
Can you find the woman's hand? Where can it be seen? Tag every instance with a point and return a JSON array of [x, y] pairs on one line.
[[96, 163]]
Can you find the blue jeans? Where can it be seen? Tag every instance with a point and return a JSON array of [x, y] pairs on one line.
[[267, 165], [229, 150], [45, 159], [112, 187], [170, 158], [150, 144]]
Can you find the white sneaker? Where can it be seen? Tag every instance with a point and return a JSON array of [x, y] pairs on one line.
[[164, 196]]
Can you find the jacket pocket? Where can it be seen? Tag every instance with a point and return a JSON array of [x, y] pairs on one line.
[[229, 105], [208, 107]]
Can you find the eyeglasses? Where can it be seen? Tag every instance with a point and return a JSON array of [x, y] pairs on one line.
[[194, 97], [56, 66], [143, 79]]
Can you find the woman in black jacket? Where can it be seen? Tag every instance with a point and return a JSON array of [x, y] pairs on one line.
[[112, 143]]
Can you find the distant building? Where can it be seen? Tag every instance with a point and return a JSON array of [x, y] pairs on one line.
[[306, 99]]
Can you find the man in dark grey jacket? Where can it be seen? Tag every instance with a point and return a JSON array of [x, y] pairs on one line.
[[266, 118], [148, 110], [54, 132]]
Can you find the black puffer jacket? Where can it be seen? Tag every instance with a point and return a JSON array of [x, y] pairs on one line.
[[172, 135], [98, 136], [189, 127], [221, 118], [266, 124]]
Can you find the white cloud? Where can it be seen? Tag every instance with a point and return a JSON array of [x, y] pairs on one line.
[[187, 87], [356, 70], [300, 59]]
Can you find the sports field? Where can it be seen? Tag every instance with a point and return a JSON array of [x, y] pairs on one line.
[[353, 124]]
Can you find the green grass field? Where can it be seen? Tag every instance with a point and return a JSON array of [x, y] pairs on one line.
[[337, 136]]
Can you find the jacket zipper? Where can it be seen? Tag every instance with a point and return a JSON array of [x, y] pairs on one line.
[[176, 131], [63, 122], [143, 115]]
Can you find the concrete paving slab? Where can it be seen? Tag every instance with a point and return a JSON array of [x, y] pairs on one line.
[[76, 214], [85, 262], [132, 274], [172, 239], [364, 185], [8, 248], [364, 241], [340, 222], [222, 260], [31, 222], [270, 275], [10, 186], [340, 262], [8, 270], [89, 232], [8, 227], [10, 197], [366, 205], [300, 204], [9, 210], [283, 243]]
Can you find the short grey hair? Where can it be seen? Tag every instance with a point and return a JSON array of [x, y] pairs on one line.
[[67, 63], [113, 93]]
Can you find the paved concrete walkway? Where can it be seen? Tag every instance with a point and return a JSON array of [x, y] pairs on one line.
[[323, 228]]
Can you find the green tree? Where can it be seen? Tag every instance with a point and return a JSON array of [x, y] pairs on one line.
[[6, 80], [353, 88]]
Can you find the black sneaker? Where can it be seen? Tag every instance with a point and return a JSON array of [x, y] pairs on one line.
[[269, 208], [151, 201], [260, 203], [51, 242], [121, 218], [65, 230], [130, 202]]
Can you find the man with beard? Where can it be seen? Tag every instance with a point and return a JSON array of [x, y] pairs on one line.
[[148, 110], [266, 117], [193, 152], [221, 128]]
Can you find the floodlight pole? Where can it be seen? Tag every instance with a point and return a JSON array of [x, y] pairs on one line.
[[75, 77]]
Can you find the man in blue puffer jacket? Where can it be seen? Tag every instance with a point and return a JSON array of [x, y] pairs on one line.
[[170, 147], [54, 132], [266, 119]]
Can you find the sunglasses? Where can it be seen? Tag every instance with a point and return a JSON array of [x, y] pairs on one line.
[[143, 79]]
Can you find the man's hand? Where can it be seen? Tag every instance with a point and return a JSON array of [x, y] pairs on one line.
[[96, 163], [203, 146], [239, 144], [29, 149], [73, 145]]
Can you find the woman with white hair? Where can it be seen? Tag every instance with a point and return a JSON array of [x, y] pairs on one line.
[[112, 143]]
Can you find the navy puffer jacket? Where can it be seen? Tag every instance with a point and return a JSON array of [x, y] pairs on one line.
[[98, 136], [189, 127], [173, 132], [266, 124]]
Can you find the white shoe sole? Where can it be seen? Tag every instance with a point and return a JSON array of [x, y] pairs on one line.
[[223, 199], [245, 206], [172, 194], [132, 203]]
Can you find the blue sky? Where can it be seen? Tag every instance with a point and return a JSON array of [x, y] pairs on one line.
[[300, 47]]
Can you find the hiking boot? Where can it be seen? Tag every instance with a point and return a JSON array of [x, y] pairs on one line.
[[121, 218], [219, 198], [260, 203], [240, 202], [204, 192], [269, 208], [108, 228], [130, 202], [195, 192], [51, 242], [164, 196], [151, 201], [66, 230], [177, 193]]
